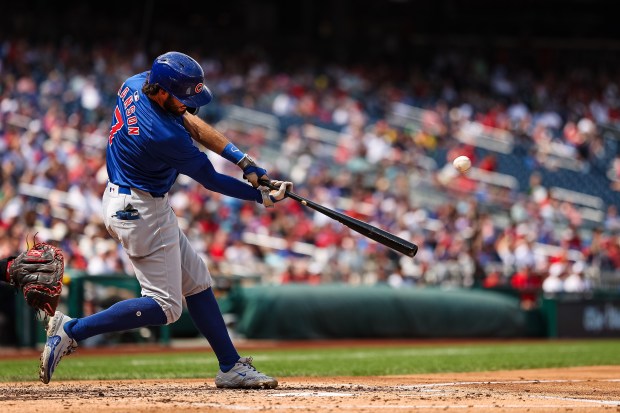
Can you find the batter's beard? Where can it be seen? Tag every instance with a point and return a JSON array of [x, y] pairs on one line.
[[171, 106]]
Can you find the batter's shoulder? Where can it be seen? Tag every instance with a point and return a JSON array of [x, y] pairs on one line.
[[136, 81]]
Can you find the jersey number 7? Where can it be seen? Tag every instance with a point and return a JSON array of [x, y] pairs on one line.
[[118, 124]]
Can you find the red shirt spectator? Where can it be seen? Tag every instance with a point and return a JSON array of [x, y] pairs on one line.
[[528, 284]]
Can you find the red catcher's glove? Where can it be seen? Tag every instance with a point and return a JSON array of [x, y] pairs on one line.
[[38, 274]]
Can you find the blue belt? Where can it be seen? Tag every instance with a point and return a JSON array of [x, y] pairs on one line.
[[125, 190]]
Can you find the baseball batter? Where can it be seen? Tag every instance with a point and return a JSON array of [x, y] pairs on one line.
[[149, 145]]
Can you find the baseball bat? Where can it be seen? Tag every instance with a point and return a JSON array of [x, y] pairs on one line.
[[383, 237]]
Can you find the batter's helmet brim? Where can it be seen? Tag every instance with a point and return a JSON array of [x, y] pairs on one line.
[[199, 99]]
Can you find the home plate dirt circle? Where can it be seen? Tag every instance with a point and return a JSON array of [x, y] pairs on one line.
[[574, 390]]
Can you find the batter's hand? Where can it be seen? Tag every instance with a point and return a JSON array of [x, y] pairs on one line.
[[252, 172], [271, 196]]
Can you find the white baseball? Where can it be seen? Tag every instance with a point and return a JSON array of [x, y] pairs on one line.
[[462, 163]]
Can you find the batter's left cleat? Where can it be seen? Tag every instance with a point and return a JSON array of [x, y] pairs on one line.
[[244, 376], [58, 344]]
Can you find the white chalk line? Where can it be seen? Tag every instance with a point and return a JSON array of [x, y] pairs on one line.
[[571, 399], [466, 383], [387, 407], [313, 394]]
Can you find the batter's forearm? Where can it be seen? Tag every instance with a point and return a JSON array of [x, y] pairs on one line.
[[204, 133], [213, 140]]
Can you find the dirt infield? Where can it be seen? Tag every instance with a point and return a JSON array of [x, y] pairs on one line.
[[574, 390]]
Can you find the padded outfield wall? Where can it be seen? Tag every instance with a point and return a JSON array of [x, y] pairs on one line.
[[333, 312]]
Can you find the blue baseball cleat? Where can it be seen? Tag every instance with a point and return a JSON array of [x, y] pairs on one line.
[[244, 376], [58, 344]]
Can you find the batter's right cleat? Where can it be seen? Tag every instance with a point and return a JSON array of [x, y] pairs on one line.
[[244, 376], [58, 344]]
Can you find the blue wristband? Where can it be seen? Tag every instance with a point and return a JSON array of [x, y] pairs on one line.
[[232, 153]]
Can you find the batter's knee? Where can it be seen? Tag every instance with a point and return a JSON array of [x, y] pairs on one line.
[[172, 308], [174, 314]]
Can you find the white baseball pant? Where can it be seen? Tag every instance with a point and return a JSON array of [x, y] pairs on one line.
[[166, 265]]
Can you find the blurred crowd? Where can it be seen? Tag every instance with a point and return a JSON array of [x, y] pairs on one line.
[[55, 103]]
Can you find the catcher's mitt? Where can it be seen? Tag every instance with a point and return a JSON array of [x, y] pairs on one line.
[[38, 274]]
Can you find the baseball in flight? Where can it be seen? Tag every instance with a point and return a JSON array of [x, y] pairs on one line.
[[462, 163]]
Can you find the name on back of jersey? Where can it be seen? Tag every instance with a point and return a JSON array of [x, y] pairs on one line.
[[129, 106]]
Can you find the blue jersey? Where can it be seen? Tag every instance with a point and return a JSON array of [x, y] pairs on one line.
[[148, 147]]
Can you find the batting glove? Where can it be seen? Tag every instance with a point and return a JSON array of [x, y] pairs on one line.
[[271, 196]]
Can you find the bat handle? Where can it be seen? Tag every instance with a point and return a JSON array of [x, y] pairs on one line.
[[288, 193], [268, 184]]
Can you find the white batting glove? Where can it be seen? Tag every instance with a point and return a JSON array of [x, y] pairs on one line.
[[271, 196]]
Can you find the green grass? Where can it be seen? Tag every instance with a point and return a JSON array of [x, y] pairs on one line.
[[355, 361]]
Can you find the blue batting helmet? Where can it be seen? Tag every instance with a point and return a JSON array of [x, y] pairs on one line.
[[182, 77]]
